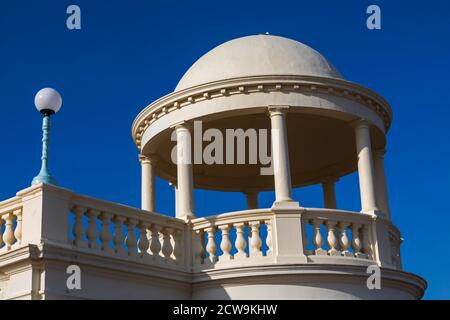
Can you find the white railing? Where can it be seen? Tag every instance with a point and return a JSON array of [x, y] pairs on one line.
[[338, 233], [214, 244], [58, 217], [109, 228], [10, 224]]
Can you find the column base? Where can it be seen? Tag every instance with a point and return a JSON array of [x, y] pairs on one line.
[[371, 210], [286, 205], [375, 212], [186, 216]]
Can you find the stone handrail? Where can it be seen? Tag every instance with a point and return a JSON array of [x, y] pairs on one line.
[[44, 215], [136, 233], [352, 235], [206, 242], [54, 216], [345, 233]]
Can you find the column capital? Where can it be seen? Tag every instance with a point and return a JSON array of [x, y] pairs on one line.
[[360, 123], [186, 125], [277, 110], [144, 159]]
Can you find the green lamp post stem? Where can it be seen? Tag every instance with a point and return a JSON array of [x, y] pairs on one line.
[[44, 175]]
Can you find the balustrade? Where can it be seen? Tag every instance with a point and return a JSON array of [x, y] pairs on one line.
[[131, 233], [338, 227], [243, 237], [249, 238]]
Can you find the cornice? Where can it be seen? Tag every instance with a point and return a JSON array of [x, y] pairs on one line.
[[311, 272], [248, 85]]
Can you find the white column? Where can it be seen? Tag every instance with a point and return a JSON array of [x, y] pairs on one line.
[[381, 186], [329, 195], [175, 189], [280, 154], [252, 199], [148, 164], [365, 166], [185, 179]]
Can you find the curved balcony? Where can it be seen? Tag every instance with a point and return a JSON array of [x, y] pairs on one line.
[[197, 258], [248, 237]]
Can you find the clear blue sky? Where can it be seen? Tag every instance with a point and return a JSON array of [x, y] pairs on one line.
[[129, 53]]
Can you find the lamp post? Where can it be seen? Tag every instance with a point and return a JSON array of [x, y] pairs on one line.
[[48, 101]]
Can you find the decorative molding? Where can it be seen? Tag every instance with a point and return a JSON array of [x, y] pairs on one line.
[[151, 159], [250, 85]]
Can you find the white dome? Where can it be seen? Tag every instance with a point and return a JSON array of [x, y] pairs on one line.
[[260, 55]]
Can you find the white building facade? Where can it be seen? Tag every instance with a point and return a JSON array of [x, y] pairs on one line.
[[321, 127]]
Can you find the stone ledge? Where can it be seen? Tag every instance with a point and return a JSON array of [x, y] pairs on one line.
[[53, 260]]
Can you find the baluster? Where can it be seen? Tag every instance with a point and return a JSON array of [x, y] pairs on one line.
[[105, 233], [1, 232], [269, 241], [211, 246], [240, 243], [356, 241], [199, 250], [167, 247], [118, 234], [149, 237], [366, 248], [91, 232], [332, 239], [317, 238], [155, 244], [143, 243], [8, 235], [177, 246], [255, 240], [130, 240], [225, 244], [343, 240], [305, 238], [395, 250], [78, 228], [18, 231]]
